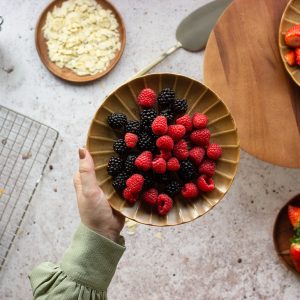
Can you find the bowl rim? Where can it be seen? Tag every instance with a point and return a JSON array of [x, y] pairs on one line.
[[238, 142]]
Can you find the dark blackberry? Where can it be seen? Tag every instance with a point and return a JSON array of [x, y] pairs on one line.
[[120, 147], [119, 183], [180, 106], [133, 127], [129, 165], [148, 180], [163, 179], [146, 142], [114, 166], [168, 114], [187, 170], [166, 98], [147, 116], [173, 188], [117, 120]]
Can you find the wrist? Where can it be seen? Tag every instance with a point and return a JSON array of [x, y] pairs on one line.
[[106, 232]]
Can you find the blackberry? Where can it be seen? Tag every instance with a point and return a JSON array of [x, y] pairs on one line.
[[166, 98], [119, 183], [187, 170], [168, 114], [173, 188], [129, 165], [147, 117], [117, 120], [133, 127], [148, 180], [120, 147], [114, 166], [163, 179], [180, 106], [146, 142]]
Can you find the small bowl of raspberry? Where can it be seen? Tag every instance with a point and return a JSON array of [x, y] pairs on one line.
[[166, 149]]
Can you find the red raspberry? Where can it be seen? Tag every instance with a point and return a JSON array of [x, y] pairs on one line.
[[181, 150], [159, 125], [214, 151], [146, 98], [151, 196], [131, 139], [159, 166], [164, 204], [176, 132], [196, 155], [189, 190], [144, 161], [186, 121], [129, 196], [199, 120], [173, 164], [207, 167], [200, 137], [205, 183], [164, 154], [135, 183], [165, 143], [297, 52]]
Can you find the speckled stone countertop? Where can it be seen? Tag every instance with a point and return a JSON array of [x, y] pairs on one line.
[[227, 254]]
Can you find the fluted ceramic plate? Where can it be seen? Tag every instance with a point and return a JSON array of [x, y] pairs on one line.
[[201, 99], [290, 17]]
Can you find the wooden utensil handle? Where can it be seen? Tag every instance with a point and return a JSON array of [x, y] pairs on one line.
[[157, 61]]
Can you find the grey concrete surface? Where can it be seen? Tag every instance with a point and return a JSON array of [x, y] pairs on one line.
[[227, 254]]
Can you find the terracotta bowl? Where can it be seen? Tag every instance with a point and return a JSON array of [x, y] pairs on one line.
[[290, 17], [68, 74], [283, 232], [101, 137]]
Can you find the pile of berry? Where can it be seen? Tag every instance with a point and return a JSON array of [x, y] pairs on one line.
[[292, 39], [165, 154]]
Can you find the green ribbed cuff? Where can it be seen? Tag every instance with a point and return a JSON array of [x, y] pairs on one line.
[[92, 259]]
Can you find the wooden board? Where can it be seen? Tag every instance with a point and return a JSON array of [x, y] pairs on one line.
[[243, 65]]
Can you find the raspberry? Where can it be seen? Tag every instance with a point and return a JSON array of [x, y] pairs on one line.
[[130, 196], [120, 147], [165, 143], [114, 166], [146, 142], [164, 204], [214, 151], [199, 120], [131, 139], [151, 196], [159, 125], [144, 161], [181, 150], [196, 155], [186, 121], [146, 98], [207, 167], [180, 106], [133, 127], [159, 166], [176, 132], [187, 170], [135, 183], [117, 120], [173, 188], [165, 98], [129, 165], [200, 137], [189, 190], [173, 164], [164, 154], [205, 183]]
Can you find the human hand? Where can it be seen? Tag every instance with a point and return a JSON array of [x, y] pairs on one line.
[[94, 209]]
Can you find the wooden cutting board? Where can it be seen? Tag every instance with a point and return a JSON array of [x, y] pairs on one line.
[[243, 65]]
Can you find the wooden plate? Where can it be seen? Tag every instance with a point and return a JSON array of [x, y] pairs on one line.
[[283, 232], [243, 66], [290, 17], [200, 98], [65, 73]]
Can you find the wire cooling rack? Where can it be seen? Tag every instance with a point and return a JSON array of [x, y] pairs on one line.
[[25, 148]]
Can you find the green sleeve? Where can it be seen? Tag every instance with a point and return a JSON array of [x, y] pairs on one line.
[[85, 271]]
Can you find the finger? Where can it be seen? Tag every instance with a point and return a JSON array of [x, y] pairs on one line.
[[77, 182]]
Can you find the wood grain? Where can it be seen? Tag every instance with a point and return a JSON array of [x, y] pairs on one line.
[[243, 66], [65, 73]]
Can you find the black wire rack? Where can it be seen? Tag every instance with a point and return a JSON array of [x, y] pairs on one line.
[[25, 148]]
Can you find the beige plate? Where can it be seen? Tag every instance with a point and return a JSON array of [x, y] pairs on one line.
[[200, 98], [65, 73], [290, 17], [283, 232]]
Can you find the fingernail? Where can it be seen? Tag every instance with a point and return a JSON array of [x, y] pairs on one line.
[[81, 152]]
